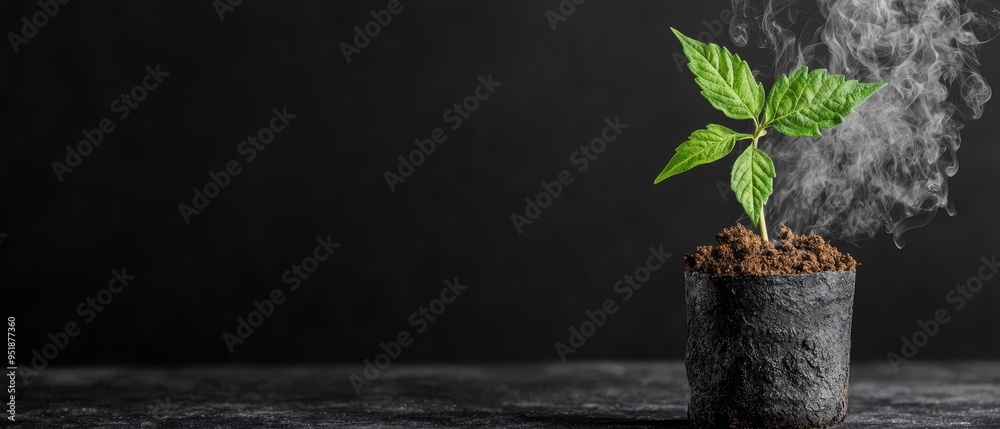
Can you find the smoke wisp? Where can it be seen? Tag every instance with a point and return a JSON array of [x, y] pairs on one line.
[[888, 164]]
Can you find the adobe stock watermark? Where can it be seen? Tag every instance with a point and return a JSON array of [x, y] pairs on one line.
[[454, 115], [725, 189], [581, 158], [713, 29], [625, 289], [564, 9], [293, 278], [420, 319], [363, 35], [30, 27], [222, 7], [957, 297], [123, 106], [88, 309], [161, 405], [253, 145], [11, 408]]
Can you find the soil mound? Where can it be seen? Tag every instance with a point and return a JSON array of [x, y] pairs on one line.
[[742, 252]]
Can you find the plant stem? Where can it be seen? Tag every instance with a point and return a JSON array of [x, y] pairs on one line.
[[763, 225], [758, 133]]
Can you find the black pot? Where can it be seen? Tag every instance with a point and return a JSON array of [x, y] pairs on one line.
[[769, 351]]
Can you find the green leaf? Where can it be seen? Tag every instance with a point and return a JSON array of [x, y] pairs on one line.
[[702, 147], [805, 102], [726, 81], [753, 175]]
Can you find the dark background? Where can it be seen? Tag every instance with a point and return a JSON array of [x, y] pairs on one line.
[[324, 176]]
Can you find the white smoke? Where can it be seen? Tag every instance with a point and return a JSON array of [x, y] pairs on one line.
[[888, 164]]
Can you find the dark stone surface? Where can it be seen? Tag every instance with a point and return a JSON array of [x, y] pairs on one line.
[[586, 395], [769, 350]]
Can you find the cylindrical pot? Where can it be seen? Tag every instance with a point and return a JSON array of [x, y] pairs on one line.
[[769, 351]]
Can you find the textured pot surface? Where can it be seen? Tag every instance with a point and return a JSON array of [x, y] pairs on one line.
[[769, 351]]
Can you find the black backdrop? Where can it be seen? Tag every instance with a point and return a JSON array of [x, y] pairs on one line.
[[323, 176]]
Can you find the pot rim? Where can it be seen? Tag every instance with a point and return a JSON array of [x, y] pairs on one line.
[[762, 276]]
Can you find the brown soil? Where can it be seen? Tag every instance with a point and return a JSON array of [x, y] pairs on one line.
[[742, 252]]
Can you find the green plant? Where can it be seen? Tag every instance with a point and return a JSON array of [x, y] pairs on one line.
[[798, 105]]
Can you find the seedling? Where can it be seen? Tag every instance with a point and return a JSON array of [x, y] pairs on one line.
[[798, 105]]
